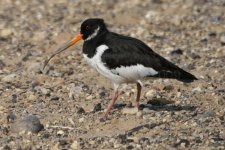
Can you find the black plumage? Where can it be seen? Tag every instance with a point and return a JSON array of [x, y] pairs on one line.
[[123, 59], [128, 51]]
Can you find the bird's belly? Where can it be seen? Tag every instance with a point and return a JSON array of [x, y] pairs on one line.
[[98, 65]]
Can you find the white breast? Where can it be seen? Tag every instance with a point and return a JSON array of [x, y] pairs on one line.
[[96, 62]]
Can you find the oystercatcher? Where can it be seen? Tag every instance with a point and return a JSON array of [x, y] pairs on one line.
[[123, 59]]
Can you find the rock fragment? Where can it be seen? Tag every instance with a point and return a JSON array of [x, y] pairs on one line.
[[30, 123]]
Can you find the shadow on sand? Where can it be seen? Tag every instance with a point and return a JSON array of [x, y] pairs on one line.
[[160, 104]]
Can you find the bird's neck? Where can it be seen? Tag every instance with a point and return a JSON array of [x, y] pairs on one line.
[[89, 47]]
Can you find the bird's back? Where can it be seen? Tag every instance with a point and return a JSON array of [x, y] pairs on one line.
[[127, 51]]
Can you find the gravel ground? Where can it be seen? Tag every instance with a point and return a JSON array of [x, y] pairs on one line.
[[59, 108]]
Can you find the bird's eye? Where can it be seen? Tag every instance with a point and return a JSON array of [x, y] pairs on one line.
[[87, 27]]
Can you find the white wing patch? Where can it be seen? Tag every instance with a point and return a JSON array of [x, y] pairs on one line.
[[134, 72]]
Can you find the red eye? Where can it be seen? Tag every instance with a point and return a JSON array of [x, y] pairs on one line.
[[87, 27]]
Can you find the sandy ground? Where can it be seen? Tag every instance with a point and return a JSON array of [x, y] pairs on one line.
[[173, 115]]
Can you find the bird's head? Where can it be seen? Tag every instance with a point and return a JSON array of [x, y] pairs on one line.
[[89, 29]]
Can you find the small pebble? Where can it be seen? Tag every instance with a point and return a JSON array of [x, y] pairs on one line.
[[6, 32], [222, 39], [209, 114], [31, 97], [62, 142], [176, 52], [9, 78], [98, 107], [54, 98], [81, 120], [11, 117], [60, 132], [150, 94], [168, 88], [74, 145], [14, 98], [197, 89], [80, 110], [130, 111]]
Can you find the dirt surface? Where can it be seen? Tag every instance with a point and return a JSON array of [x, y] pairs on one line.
[[174, 115]]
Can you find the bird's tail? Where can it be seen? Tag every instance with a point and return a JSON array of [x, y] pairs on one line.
[[178, 74]]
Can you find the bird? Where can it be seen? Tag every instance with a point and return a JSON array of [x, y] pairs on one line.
[[123, 59]]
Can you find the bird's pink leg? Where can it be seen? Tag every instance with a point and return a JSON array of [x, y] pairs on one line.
[[112, 102], [138, 94]]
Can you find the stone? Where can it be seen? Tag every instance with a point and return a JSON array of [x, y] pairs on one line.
[[39, 36], [34, 67], [168, 88], [182, 143], [150, 94], [27, 56], [55, 147], [102, 93], [44, 90], [32, 97], [54, 98], [46, 135], [2, 64], [71, 121], [139, 114], [176, 52], [129, 147], [74, 90], [98, 107], [9, 78], [89, 97], [117, 145], [197, 89], [3, 110], [74, 145], [178, 94], [130, 111], [14, 98], [92, 142], [120, 105], [5, 147], [209, 114], [222, 39], [30, 123], [6, 32], [63, 142], [80, 110], [60, 132], [81, 120], [152, 16], [11, 117]]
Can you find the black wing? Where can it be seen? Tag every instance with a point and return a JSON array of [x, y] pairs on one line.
[[127, 51]]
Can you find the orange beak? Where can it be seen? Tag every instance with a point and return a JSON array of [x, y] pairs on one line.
[[64, 47], [74, 40]]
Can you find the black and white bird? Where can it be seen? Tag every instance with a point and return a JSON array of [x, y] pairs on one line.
[[123, 59]]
